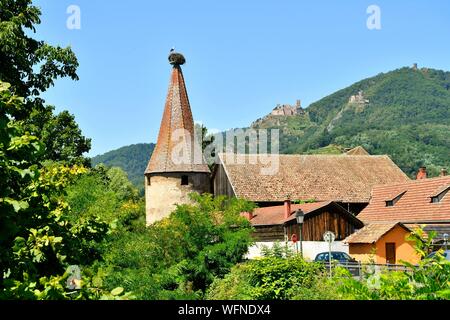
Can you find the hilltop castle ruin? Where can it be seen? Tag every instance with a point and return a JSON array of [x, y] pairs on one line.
[[287, 109], [358, 98]]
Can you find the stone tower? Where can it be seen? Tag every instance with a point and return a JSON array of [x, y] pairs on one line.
[[177, 166]]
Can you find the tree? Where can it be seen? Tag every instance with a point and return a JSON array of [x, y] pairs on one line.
[[60, 134], [37, 240], [207, 142], [31, 67], [272, 278], [179, 256]]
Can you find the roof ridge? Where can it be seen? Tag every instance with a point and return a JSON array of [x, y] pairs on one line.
[[415, 181], [343, 155]]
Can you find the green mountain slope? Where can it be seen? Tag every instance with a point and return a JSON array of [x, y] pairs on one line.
[[407, 116], [405, 113], [132, 159]]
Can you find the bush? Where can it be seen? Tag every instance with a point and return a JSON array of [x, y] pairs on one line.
[[270, 278], [179, 257]]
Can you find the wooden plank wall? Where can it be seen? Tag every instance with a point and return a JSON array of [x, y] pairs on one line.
[[314, 228], [222, 186], [269, 233]]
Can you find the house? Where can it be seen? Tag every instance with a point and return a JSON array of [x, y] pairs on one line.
[[382, 243], [425, 201], [278, 223], [344, 179]]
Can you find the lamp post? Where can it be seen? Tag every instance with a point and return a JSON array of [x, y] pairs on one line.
[[299, 215]]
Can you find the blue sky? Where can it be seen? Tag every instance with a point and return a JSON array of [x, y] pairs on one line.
[[243, 57]]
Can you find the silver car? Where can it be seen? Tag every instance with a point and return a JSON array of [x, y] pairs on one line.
[[445, 254]]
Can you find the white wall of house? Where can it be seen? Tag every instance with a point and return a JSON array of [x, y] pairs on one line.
[[310, 248]]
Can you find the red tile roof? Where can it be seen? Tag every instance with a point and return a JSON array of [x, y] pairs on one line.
[[340, 178], [274, 215], [177, 125], [415, 204]]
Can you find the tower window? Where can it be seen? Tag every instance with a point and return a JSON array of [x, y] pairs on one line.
[[184, 180]]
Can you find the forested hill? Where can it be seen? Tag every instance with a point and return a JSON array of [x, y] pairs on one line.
[[404, 113], [132, 159]]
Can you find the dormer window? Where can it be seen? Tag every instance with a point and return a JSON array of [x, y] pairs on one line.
[[392, 202], [436, 198]]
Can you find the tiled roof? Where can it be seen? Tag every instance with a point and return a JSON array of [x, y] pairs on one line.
[[413, 206], [358, 151], [274, 215], [177, 126], [321, 177], [439, 229], [372, 232]]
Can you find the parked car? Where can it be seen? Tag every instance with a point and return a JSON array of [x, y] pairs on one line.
[[445, 254], [342, 257]]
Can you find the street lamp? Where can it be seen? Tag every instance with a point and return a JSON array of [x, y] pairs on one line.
[[300, 216]]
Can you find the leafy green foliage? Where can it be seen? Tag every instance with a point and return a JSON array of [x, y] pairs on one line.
[[37, 240], [277, 251], [31, 67], [178, 257], [406, 118], [427, 280], [62, 139], [286, 276], [270, 278], [132, 159], [105, 194]]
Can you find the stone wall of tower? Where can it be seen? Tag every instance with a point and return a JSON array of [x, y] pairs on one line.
[[164, 190]]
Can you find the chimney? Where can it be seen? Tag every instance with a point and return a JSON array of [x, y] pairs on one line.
[[247, 215], [422, 174], [287, 207], [443, 172]]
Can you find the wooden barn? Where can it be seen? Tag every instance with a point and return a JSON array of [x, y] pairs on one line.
[[278, 223]]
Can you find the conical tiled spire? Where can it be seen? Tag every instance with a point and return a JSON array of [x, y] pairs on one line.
[[176, 149]]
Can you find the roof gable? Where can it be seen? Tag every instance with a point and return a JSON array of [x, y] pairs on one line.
[[358, 151]]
